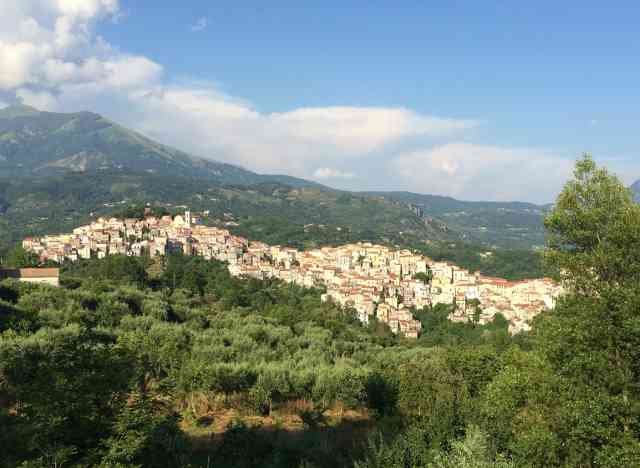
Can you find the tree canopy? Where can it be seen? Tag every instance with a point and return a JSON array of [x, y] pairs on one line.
[[173, 362]]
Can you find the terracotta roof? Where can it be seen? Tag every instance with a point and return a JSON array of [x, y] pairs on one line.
[[30, 273], [39, 272]]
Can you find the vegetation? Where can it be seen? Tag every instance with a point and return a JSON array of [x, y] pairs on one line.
[[172, 362], [132, 361], [34, 143], [60, 170], [20, 258], [502, 263], [277, 214], [514, 225]]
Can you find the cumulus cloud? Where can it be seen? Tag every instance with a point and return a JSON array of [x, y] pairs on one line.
[[465, 170], [329, 173], [200, 25], [198, 118], [45, 44], [39, 99], [51, 58], [364, 129]]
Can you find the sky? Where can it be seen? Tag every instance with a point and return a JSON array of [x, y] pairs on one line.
[[475, 100]]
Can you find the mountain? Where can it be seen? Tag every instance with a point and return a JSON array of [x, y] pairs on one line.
[[60, 170], [510, 224], [35, 143], [272, 212], [303, 217], [635, 188]]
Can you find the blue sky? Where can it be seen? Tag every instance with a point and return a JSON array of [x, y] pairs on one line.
[[479, 100]]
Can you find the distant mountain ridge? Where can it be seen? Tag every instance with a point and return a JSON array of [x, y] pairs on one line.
[[36, 143], [501, 223], [635, 188], [71, 164]]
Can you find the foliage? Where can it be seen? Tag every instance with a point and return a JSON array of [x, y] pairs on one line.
[[109, 369], [192, 329], [69, 385], [302, 217], [513, 264], [20, 258], [574, 400], [145, 436], [442, 331], [593, 231], [424, 277]]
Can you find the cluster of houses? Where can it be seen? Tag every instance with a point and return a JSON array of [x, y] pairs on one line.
[[374, 280]]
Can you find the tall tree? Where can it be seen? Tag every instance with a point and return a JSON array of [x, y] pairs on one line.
[[575, 400], [594, 232]]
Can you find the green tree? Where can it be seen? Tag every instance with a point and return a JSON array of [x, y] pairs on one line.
[[476, 310], [594, 247], [68, 386], [471, 452], [574, 400], [424, 277], [21, 258], [594, 232], [432, 394], [144, 435]]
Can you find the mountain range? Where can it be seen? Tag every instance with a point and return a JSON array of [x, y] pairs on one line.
[[635, 188], [57, 168], [35, 143]]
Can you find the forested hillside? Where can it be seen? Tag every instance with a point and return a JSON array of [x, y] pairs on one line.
[[174, 363], [304, 217], [56, 169], [506, 224]]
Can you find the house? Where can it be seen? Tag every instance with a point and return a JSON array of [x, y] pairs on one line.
[[361, 275], [49, 276]]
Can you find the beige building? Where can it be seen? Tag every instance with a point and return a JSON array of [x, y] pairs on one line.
[[362, 276], [49, 276]]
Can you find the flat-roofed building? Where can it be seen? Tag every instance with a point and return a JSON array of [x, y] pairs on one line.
[[49, 276]]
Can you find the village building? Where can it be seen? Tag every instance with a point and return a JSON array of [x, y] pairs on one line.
[[50, 276], [373, 280]]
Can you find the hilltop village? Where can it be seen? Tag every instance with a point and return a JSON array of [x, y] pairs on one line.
[[372, 279]]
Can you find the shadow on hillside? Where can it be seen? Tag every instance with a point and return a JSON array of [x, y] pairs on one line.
[[244, 445]]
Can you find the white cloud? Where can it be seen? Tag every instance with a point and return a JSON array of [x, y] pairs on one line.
[[17, 63], [363, 129], [51, 58], [473, 171], [199, 119], [49, 43], [200, 25], [329, 173], [39, 99]]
